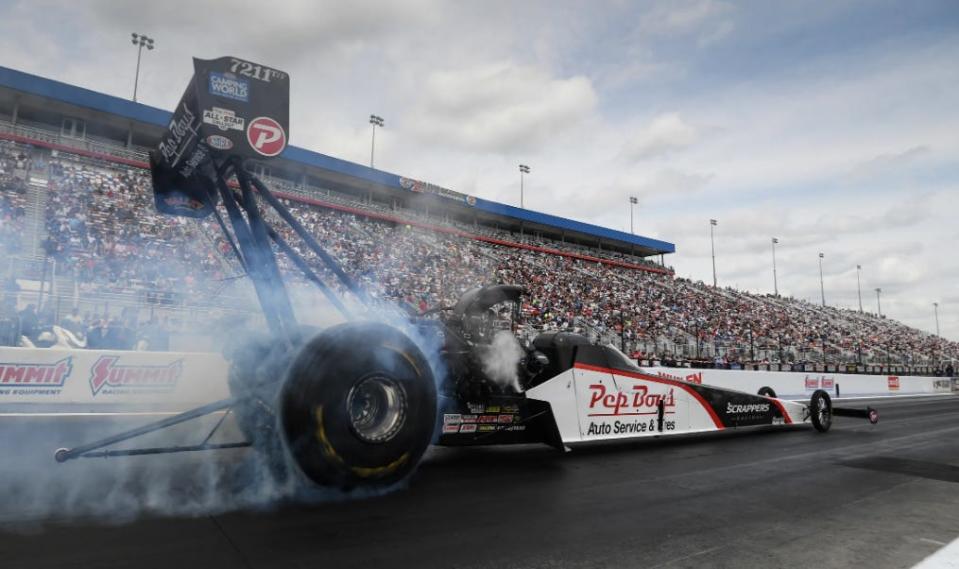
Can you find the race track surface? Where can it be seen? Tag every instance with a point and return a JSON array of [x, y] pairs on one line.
[[861, 495]]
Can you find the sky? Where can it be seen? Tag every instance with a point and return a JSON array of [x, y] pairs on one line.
[[832, 126]]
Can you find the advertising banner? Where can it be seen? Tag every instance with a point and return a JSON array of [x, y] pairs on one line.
[[802, 384], [93, 378]]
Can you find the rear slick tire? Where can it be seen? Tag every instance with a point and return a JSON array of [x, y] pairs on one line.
[[820, 410], [358, 407]]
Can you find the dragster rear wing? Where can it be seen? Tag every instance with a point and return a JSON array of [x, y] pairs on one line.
[[230, 108]]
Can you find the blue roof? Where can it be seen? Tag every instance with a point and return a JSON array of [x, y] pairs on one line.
[[139, 112]]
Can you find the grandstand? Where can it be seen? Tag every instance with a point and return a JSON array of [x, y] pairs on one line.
[[85, 246]]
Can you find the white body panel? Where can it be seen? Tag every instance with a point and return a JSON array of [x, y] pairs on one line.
[[595, 404]]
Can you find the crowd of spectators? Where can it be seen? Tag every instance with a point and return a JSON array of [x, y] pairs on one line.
[[15, 167], [102, 229]]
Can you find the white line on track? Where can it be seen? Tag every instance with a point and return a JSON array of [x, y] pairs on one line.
[[945, 558]]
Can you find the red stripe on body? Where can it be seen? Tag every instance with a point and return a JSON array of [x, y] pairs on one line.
[[782, 410]]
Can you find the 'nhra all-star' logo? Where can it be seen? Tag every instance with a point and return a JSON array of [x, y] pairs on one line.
[[108, 377], [223, 119], [33, 378]]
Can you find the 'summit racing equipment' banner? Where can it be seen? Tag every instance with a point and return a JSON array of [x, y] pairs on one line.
[[231, 107], [92, 379]]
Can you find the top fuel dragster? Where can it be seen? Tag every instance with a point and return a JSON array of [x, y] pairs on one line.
[[357, 404]]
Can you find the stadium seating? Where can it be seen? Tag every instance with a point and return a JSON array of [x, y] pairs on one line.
[[102, 230]]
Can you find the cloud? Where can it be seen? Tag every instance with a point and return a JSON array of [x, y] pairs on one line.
[[666, 133], [499, 107], [686, 16]]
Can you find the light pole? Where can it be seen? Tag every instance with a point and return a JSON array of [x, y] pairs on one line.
[[859, 286], [712, 246], [140, 41], [878, 302], [632, 201], [376, 121], [523, 169], [935, 306], [775, 280], [822, 288]]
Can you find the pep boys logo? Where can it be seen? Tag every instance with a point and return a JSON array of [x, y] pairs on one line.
[[266, 136], [637, 401], [107, 375]]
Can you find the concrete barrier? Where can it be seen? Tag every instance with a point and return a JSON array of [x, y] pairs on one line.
[[800, 385]]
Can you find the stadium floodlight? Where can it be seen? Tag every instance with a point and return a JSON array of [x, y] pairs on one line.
[[822, 288], [878, 302], [632, 201], [140, 41], [775, 280], [523, 169], [712, 246], [376, 121], [935, 306], [859, 286]]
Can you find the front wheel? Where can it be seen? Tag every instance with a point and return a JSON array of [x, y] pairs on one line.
[[358, 407], [820, 410]]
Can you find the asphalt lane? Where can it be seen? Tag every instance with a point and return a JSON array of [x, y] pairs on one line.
[[861, 495]]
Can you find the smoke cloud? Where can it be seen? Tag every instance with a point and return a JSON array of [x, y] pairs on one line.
[[501, 361]]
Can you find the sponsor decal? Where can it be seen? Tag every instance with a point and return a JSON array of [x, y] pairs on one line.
[[691, 378], [627, 427], [893, 383], [509, 409], [828, 382], [229, 86], [266, 136], [219, 142], [34, 379], [476, 408], [468, 428], [182, 129], [492, 409], [505, 418], [470, 200], [452, 419], [812, 382], [637, 401], [487, 419], [448, 429], [742, 408], [259, 72], [223, 119], [942, 384], [181, 201], [486, 428], [107, 377], [469, 418], [197, 158]]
